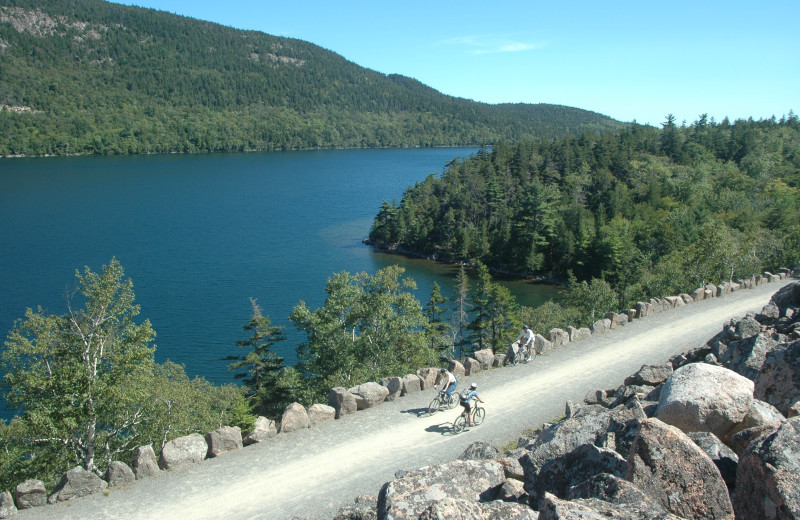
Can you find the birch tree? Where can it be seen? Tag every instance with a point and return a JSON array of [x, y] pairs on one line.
[[68, 376]]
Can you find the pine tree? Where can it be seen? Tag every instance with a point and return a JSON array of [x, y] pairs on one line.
[[438, 330], [460, 313], [261, 366], [480, 326]]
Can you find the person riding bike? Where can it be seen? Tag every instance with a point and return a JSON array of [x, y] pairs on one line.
[[466, 401], [450, 384], [526, 340]]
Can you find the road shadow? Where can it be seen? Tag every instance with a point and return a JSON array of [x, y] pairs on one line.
[[419, 412], [441, 429]]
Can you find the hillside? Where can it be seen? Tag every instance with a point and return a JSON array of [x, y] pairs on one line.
[[92, 77]]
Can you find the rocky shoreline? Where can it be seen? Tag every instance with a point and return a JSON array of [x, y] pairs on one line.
[[714, 433]]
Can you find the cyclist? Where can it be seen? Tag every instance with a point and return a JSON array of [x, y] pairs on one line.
[[525, 340], [450, 384], [466, 401]]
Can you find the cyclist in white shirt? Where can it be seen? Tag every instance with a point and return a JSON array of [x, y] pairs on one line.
[[451, 382], [526, 339]]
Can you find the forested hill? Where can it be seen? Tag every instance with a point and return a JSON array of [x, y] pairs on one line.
[[627, 207], [88, 76]]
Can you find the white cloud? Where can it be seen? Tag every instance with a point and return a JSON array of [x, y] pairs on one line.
[[490, 45]]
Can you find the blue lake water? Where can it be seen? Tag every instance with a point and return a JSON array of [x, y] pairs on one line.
[[201, 234]]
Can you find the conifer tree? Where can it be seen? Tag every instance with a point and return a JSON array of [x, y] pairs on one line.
[[261, 365], [480, 326], [460, 312], [437, 329]]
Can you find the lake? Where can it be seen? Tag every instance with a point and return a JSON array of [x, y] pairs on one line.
[[201, 234]]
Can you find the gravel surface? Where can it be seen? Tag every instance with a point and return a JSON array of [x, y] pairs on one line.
[[310, 474]]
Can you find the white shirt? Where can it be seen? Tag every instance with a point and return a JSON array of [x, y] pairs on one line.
[[526, 335]]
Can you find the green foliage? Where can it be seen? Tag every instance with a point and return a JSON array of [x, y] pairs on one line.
[[590, 300], [460, 315], [369, 327], [87, 391], [261, 366], [70, 375], [480, 327], [94, 77], [494, 311], [438, 331], [549, 315], [649, 211]]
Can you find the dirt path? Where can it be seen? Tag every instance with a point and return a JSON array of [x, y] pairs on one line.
[[310, 474]]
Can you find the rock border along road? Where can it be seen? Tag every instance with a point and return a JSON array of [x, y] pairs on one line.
[[310, 474]]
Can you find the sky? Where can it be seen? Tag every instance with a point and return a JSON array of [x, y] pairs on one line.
[[631, 60]]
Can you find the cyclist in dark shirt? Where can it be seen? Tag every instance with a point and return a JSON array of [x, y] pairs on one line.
[[466, 401]]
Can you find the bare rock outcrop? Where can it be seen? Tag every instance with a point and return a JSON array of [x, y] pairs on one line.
[[455, 508], [768, 476], [364, 507], [410, 495], [479, 451], [472, 366], [603, 491], [456, 368], [652, 375], [702, 397], [559, 474], [669, 467], [724, 458], [778, 380], [542, 345], [590, 425]]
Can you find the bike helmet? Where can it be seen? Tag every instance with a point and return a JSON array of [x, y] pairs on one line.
[[525, 327], [442, 371], [474, 386]]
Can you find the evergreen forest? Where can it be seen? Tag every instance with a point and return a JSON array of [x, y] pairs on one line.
[[93, 77], [647, 211]]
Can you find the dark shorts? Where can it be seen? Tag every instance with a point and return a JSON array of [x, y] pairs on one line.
[[467, 405]]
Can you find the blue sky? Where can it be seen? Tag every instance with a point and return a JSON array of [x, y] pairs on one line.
[[627, 59]]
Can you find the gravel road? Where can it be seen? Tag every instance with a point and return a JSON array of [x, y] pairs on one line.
[[310, 474]]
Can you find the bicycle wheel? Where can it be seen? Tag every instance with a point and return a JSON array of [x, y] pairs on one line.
[[460, 423], [453, 401], [515, 359], [478, 415], [434, 406]]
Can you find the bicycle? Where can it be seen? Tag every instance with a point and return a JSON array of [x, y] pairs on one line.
[[522, 354], [478, 414], [442, 401]]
